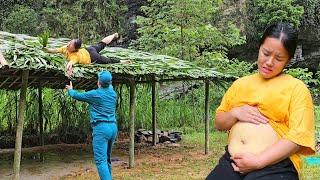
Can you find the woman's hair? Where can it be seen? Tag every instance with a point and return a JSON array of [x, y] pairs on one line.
[[286, 33], [77, 44]]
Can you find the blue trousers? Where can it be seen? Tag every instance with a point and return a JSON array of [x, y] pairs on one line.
[[104, 135]]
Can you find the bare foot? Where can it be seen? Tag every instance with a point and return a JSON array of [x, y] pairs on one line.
[[116, 35], [126, 61], [110, 38]]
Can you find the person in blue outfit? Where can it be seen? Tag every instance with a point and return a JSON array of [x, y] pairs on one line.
[[102, 107]]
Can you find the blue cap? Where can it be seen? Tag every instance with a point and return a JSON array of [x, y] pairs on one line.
[[105, 77]]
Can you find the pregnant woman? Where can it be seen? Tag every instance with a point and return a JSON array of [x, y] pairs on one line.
[[269, 116]]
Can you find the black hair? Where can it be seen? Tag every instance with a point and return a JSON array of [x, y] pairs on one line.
[[286, 33], [77, 44]]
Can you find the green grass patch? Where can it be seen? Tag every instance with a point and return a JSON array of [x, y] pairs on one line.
[[310, 172]]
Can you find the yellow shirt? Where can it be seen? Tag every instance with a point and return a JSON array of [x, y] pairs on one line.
[[81, 56], [285, 101]]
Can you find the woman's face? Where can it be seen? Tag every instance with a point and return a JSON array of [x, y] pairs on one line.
[[70, 46], [273, 57]]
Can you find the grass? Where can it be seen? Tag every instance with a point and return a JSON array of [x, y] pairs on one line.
[[310, 172], [186, 161]]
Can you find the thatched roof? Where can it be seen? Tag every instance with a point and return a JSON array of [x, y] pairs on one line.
[[47, 70]]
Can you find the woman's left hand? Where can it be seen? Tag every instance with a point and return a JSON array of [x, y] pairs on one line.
[[246, 162]]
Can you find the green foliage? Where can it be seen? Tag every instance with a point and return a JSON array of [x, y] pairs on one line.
[[261, 13], [311, 16], [43, 38], [317, 118], [184, 29], [60, 113], [302, 74], [233, 67], [312, 81], [184, 112], [22, 20], [60, 22], [85, 19]]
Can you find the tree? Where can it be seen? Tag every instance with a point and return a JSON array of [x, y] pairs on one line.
[[261, 13], [22, 20], [185, 29]]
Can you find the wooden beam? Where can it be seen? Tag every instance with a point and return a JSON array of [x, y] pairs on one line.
[[22, 107], [154, 115], [206, 119], [132, 119], [34, 80], [17, 79], [45, 83], [32, 77], [46, 148], [4, 81]]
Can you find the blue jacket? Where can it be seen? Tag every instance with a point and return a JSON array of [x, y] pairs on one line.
[[102, 103]]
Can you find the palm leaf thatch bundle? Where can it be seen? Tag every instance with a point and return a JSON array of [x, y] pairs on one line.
[[24, 52]]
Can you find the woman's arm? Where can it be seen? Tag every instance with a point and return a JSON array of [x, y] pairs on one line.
[[84, 96], [2, 60], [51, 50], [246, 113], [224, 120], [247, 162], [278, 152]]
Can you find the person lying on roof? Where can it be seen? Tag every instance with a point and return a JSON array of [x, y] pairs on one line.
[[3, 61], [77, 55]]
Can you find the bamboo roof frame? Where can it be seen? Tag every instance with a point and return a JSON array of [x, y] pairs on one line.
[[24, 52], [47, 70]]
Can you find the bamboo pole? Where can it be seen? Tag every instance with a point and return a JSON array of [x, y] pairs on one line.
[[22, 107], [132, 118], [154, 115], [206, 107], [40, 111], [40, 115]]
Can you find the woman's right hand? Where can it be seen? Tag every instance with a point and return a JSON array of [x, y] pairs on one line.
[[248, 113]]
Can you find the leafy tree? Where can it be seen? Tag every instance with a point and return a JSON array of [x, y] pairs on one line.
[[311, 16], [261, 13], [185, 29], [85, 19], [22, 20]]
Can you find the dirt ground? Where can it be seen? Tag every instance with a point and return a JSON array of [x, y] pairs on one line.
[[184, 160], [181, 161]]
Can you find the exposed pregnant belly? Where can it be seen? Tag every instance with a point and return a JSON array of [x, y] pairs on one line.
[[252, 138]]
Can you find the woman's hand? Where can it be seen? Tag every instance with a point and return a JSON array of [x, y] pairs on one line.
[[69, 86], [69, 69], [50, 50], [248, 113], [246, 162]]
